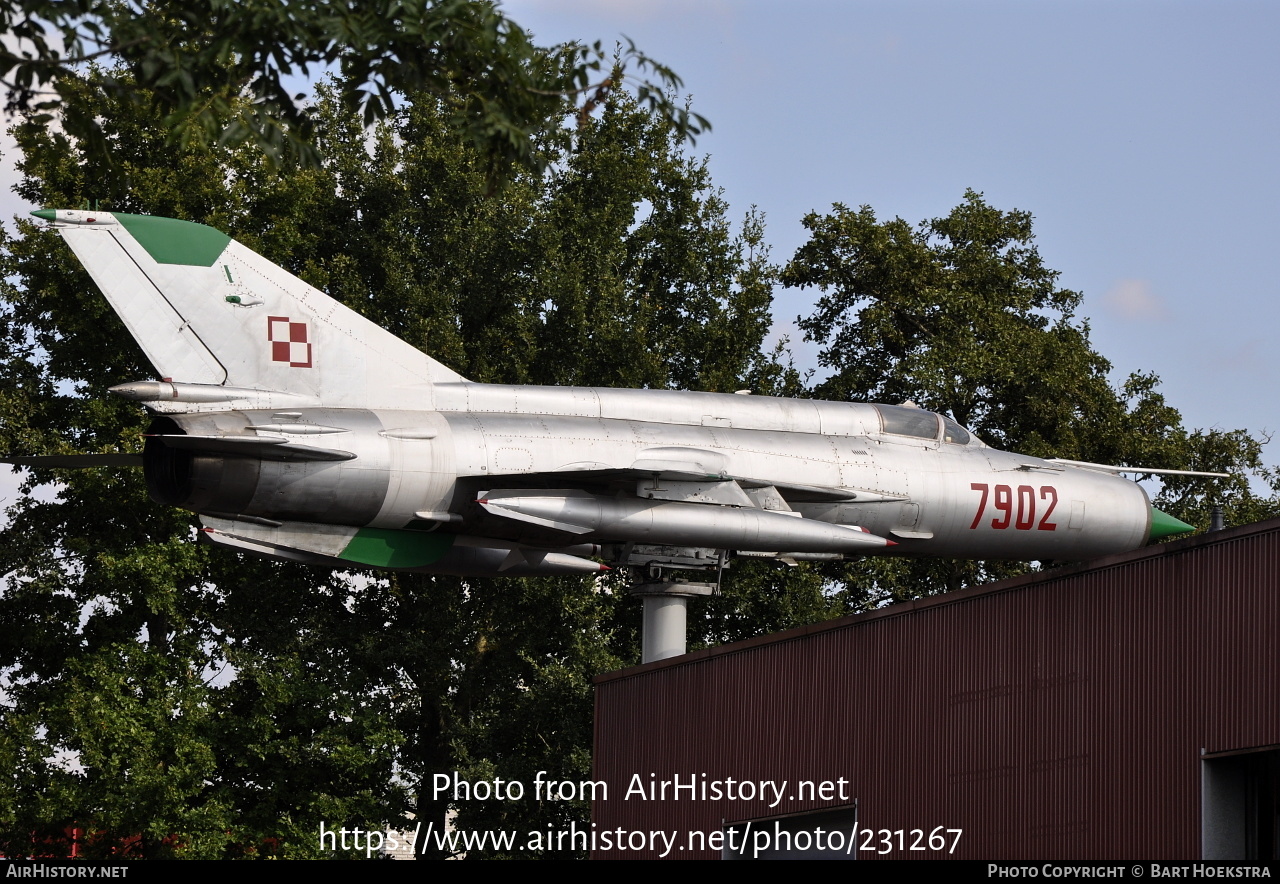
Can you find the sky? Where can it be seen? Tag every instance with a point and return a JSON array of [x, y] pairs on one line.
[[1141, 135]]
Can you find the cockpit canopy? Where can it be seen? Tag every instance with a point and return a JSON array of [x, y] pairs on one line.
[[903, 420]]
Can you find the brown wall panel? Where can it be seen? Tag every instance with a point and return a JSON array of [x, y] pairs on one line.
[[1059, 716]]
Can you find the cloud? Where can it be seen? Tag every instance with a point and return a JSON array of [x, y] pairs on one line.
[[1132, 299], [1252, 357]]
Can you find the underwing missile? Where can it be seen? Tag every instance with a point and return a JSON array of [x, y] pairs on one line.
[[654, 521]]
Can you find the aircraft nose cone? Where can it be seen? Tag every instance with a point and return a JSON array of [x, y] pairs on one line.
[[1164, 525], [46, 214]]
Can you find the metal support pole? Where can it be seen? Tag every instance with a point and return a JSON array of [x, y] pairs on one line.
[[663, 631]]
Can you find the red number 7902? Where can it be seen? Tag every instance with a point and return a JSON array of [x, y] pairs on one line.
[[1015, 508]]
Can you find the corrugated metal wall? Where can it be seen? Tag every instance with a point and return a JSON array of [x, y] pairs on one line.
[[1056, 717]]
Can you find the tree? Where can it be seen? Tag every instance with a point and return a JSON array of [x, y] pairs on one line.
[[217, 70], [225, 707], [272, 697], [961, 316]]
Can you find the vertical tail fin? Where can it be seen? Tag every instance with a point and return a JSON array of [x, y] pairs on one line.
[[207, 310]]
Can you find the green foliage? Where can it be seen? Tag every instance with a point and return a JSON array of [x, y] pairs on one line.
[[174, 700], [762, 597], [217, 71], [961, 316], [221, 707]]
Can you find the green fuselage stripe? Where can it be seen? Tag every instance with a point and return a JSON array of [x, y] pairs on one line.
[[389, 548]]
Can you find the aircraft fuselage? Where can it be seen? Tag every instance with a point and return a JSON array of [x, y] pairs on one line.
[[827, 462], [300, 430]]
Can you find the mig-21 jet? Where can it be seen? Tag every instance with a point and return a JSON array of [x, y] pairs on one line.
[[301, 431]]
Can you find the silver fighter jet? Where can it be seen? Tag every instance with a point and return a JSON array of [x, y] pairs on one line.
[[301, 431]]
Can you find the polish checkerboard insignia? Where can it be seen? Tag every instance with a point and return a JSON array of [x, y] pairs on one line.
[[289, 342]]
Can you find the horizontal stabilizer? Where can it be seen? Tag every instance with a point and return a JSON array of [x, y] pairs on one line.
[[261, 550], [429, 552], [176, 397]]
